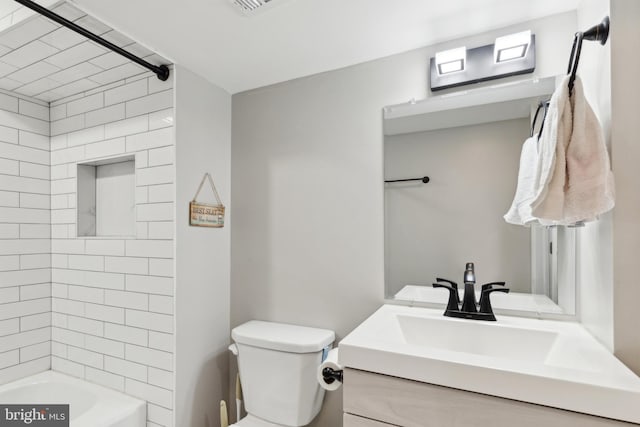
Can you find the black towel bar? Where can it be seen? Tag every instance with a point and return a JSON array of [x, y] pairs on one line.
[[424, 179], [599, 33]]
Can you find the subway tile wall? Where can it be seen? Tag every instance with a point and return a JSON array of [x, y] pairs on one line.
[[25, 248], [112, 298]]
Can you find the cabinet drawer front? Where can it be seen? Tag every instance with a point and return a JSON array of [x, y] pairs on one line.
[[354, 421], [409, 403]]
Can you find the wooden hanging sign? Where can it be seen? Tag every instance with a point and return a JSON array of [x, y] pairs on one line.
[[203, 214]]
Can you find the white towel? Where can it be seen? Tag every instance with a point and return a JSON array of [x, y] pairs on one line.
[[575, 184], [520, 211]]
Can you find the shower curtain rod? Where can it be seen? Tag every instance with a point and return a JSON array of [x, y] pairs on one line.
[[161, 71]]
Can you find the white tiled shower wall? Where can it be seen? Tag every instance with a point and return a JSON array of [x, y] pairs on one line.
[[25, 248], [112, 298]]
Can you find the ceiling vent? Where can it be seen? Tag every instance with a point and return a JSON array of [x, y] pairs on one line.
[[250, 7]]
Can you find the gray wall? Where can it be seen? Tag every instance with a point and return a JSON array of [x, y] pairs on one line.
[[307, 235], [203, 144], [595, 241], [625, 129], [432, 230]]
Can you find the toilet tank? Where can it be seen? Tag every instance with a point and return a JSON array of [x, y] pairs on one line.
[[278, 364]]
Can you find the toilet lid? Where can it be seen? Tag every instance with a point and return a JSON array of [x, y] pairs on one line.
[[282, 336], [251, 421]]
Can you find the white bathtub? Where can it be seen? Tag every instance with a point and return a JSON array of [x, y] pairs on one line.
[[90, 405]]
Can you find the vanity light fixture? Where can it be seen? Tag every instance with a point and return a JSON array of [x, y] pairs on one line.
[[509, 56], [451, 61], [511, 47]]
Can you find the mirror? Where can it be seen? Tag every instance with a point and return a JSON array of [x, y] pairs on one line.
[[468, 144]]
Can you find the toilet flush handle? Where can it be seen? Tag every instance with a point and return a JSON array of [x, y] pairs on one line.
[[233, 349]]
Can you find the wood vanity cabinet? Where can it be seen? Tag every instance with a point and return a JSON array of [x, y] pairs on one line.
[[374, 400]]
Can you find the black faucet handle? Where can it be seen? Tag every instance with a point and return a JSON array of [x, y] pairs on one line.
[[491, 285], [454, 298], [485, 300], [453, 284]]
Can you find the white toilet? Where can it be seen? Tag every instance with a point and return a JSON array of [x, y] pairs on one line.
[[278, 364]]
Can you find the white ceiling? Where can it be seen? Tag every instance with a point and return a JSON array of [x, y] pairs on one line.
[[41, 59], [302, 37]]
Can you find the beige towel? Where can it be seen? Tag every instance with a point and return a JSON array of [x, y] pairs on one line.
[[590, 189], [548, 201], [580, 184]]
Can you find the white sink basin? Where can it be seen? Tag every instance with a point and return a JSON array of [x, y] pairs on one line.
[[552, 363], [480, 338]]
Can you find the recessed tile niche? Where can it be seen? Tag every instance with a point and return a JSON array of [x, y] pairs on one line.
[[106, 198]]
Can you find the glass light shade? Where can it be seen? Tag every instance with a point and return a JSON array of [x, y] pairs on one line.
[[451, 61], [513, 46]]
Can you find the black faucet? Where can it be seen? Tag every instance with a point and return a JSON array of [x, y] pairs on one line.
[[469, 309], [469, 301]]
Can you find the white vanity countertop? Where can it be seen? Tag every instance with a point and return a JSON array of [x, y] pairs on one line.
[[552, 363]]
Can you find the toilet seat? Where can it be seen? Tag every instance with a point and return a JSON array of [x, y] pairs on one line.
[[251, 421]]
